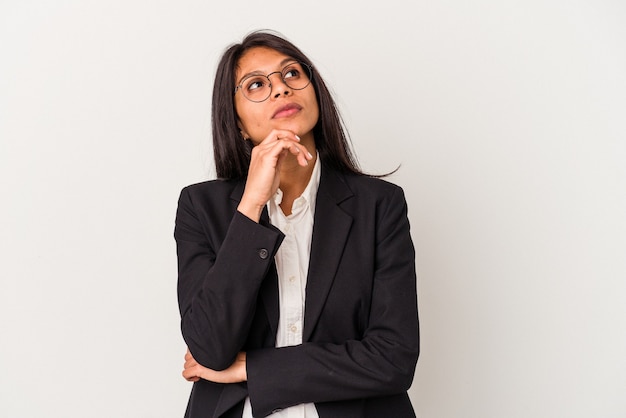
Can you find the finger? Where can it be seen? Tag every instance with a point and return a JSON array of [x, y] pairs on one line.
[[191, 378], [188, 376], [189, 362], [192, 374], [301, 153], [277, 150], [294, 147], [298, 151], [279, 135], [284, 134], [306, 156], [273, 149]]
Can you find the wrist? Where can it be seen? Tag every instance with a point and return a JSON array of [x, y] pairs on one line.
[[251, 211], [244, 369]]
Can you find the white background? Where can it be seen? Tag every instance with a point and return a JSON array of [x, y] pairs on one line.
[[508, 120]]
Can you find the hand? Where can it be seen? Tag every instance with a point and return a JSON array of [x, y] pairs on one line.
[[264, 172], [235, 373]]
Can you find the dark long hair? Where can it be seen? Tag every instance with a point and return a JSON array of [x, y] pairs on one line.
[[232, 153]]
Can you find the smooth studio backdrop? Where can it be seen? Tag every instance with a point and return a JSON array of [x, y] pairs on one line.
[[507, 118]]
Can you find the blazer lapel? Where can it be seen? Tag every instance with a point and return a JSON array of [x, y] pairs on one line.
[[331, 228], [330, 232]]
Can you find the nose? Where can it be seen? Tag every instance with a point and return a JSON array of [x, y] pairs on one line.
[[279, 86]]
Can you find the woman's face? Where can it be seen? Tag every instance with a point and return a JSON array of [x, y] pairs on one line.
[[286, 108]]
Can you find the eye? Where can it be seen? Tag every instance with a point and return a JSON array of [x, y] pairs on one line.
[[255, 83], [292, 71]]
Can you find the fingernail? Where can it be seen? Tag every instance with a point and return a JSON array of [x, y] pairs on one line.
[[297, 137], [309, 154]]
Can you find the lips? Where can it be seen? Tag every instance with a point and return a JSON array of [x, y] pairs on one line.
[[287, 110]]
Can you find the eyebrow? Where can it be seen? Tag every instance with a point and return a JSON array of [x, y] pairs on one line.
[[282, 64]]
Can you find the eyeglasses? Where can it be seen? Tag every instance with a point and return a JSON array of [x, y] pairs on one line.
[[257, 88]]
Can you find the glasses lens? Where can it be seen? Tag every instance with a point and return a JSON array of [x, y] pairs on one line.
[[297, 75], [256, 88]]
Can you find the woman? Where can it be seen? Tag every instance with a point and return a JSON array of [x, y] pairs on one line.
[[296, 271]]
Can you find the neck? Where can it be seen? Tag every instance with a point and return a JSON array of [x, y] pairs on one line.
[[293, 180]]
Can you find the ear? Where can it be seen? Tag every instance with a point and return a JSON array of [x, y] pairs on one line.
[[242, 131]]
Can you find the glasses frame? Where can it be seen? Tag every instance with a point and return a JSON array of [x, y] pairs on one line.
[[302, 64]]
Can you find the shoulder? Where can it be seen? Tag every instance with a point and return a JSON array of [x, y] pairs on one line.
[[212, 188], [374, 204], [366, 182], [210, 197], [361, 196], [372, 188]]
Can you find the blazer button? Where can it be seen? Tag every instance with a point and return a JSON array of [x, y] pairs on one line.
[[263, 253]]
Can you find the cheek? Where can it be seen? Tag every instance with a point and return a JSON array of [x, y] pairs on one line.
[[314, 115], [317, 112], [316, 106], [246, 121], [252, 124]]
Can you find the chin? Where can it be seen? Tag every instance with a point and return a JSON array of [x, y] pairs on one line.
[[287, 126]]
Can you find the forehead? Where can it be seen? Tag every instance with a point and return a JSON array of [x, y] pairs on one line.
[[259, 59]]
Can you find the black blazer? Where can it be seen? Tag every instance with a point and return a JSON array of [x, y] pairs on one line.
[[360, 338]]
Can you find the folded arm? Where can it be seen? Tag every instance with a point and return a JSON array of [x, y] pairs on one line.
[[218, 289]]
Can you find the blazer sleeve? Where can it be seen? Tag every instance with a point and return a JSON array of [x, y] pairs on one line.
[[218, 283], [381, 363]]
